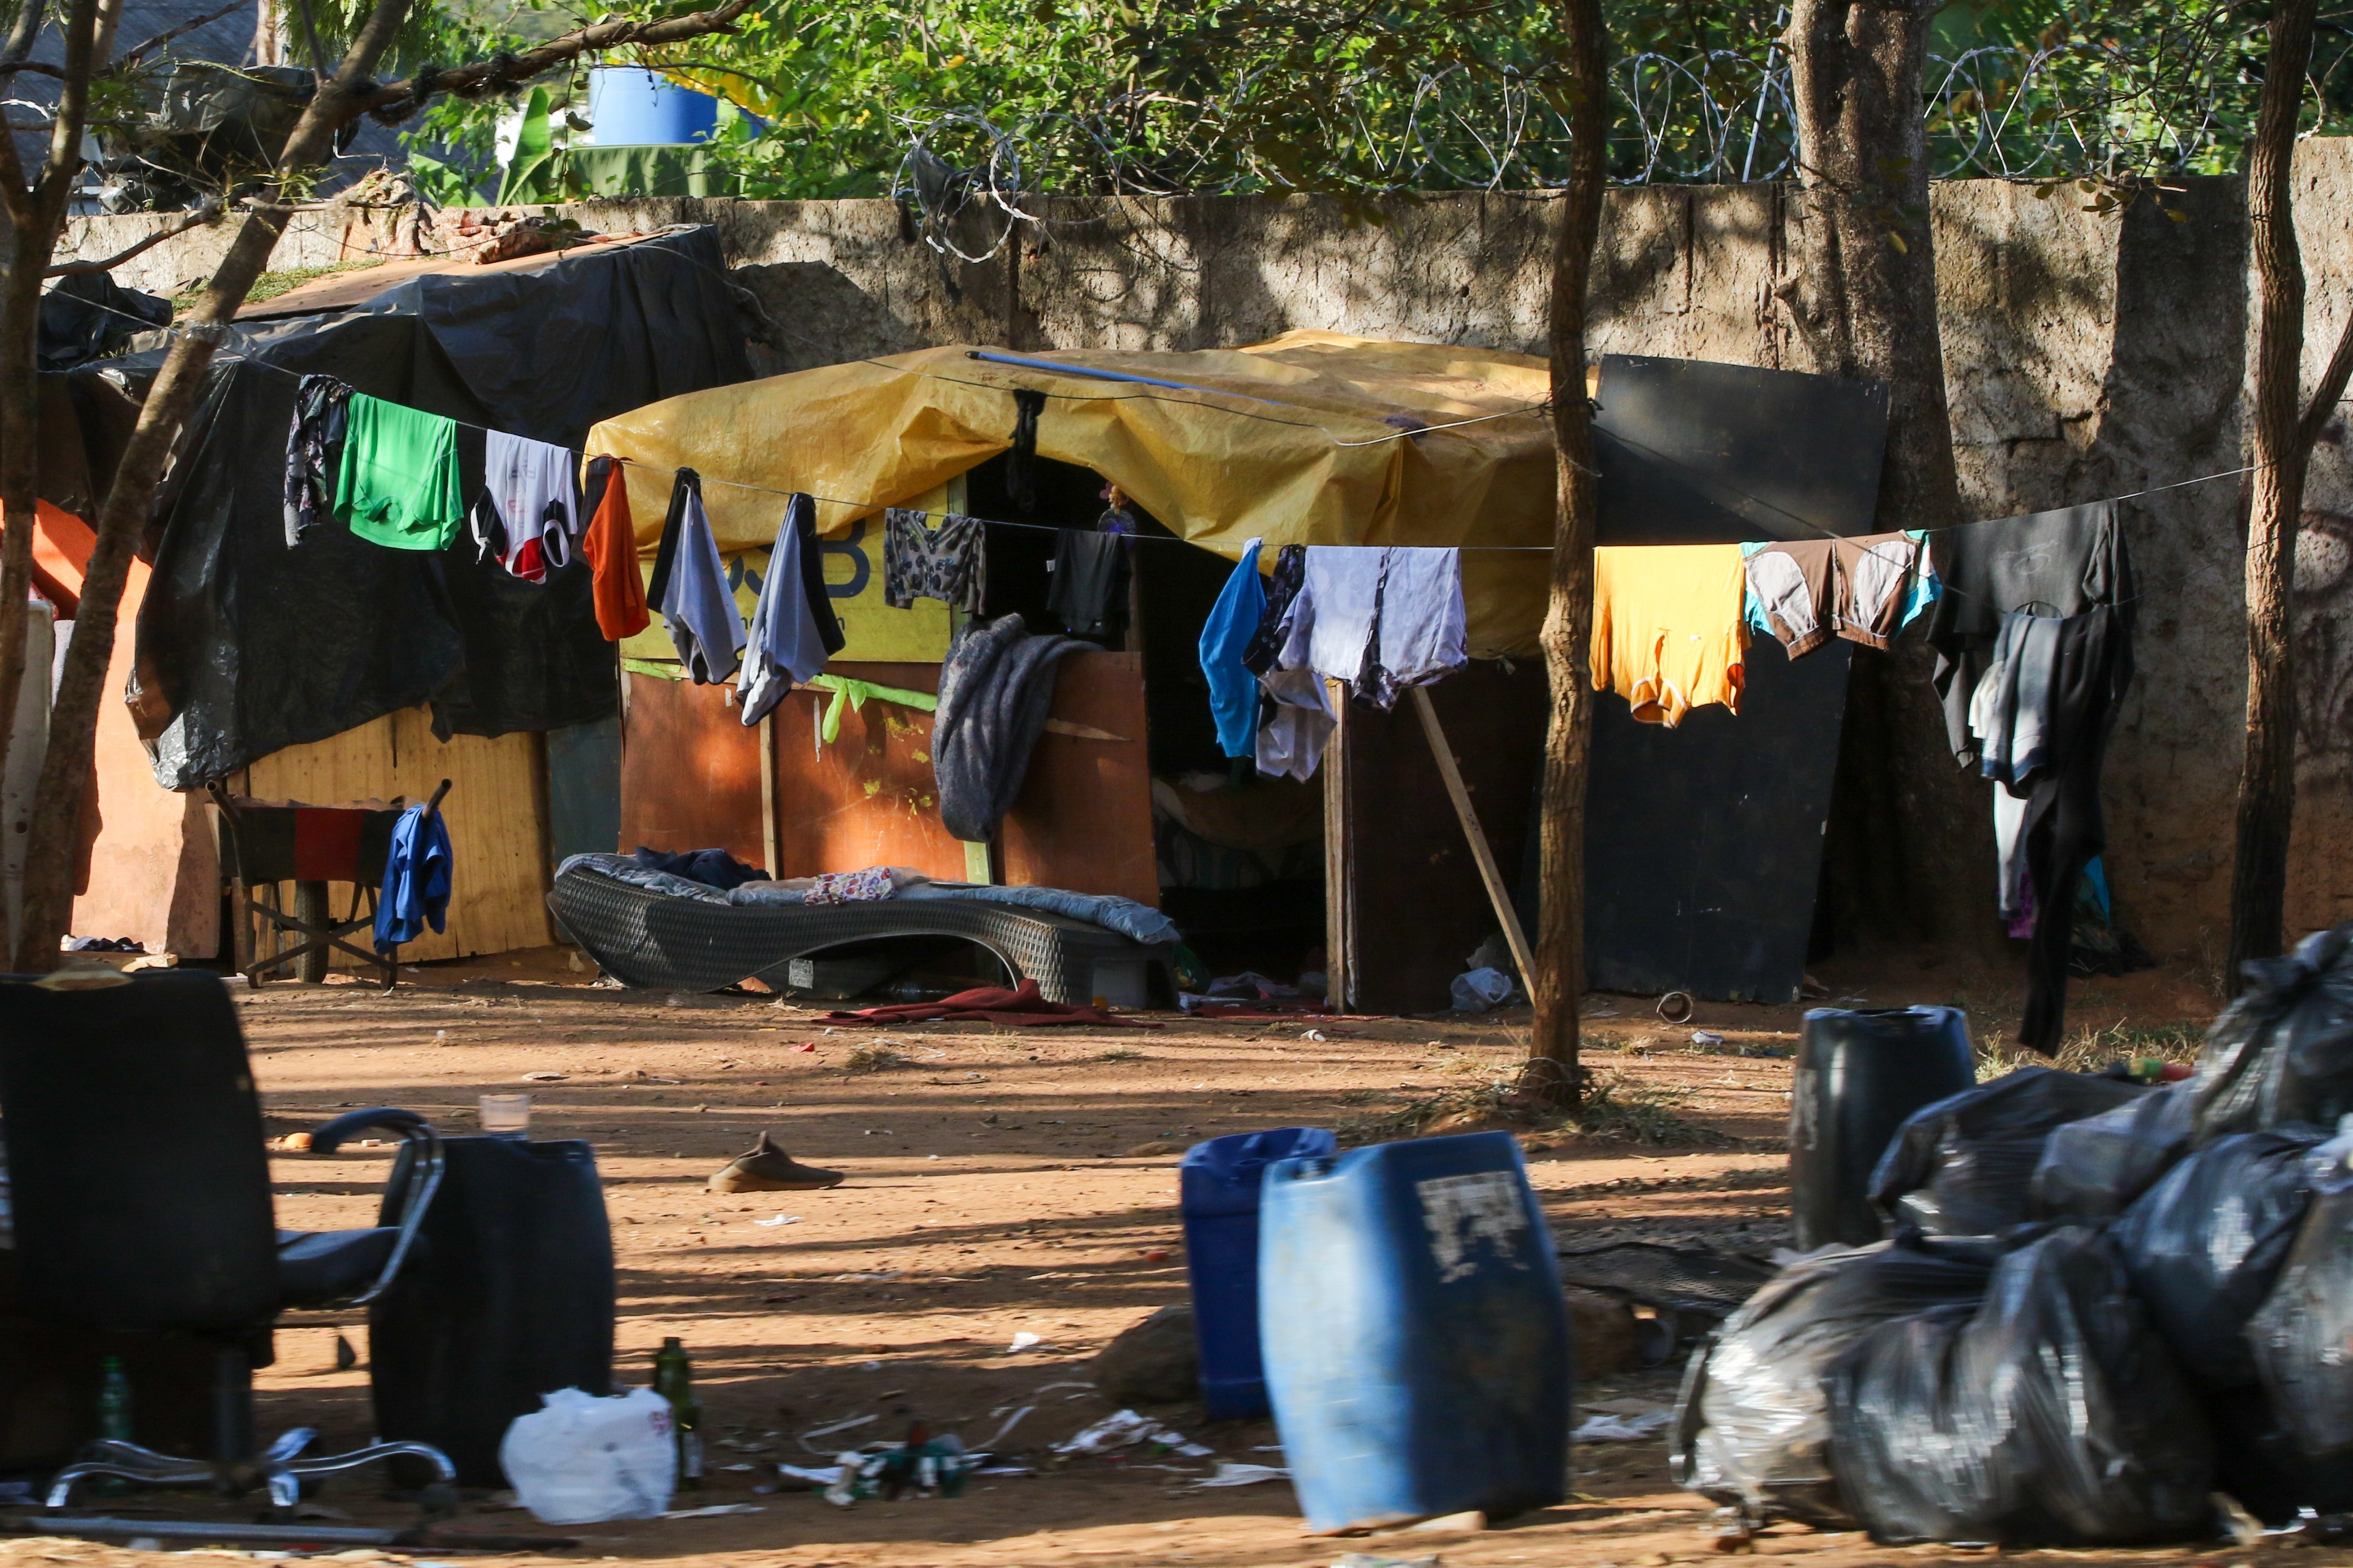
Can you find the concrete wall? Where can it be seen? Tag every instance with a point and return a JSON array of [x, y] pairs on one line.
[[2088, 355]]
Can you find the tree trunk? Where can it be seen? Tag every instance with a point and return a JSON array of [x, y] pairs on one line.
[[1865, 292], [73, 720], [1551, 1073], [2283, 451]]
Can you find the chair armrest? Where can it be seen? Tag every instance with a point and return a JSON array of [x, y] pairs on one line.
[[424, 1166], [329, 1137]]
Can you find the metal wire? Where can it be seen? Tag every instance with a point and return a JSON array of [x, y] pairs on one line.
[[2072, 111]]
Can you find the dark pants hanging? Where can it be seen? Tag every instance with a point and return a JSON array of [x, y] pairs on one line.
[[2064, 827]]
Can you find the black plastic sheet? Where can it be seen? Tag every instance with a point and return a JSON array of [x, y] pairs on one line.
[[1752, 1425], [2095, 1168], [2050, 1414], [1965, 1165], [246, 647], [2205, 1245], [2300, 1336]]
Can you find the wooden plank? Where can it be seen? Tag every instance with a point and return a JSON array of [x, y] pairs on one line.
[[1498, 895], [496, 813], [689, 770], [1084, 819]]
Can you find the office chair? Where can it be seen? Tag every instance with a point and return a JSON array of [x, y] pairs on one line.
[[142, 1196]]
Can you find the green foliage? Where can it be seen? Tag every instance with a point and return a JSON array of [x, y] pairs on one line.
[[948, 100]]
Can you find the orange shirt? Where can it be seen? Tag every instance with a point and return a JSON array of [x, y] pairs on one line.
[[618, 588], [1668, 632]]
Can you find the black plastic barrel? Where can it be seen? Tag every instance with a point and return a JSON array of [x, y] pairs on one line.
[[1860, 1074], [509, 1297]]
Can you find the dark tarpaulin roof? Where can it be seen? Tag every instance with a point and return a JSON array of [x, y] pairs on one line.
[[246, 647]]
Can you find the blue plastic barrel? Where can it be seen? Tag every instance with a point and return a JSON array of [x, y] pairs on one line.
[[1417, 1341], [629, 106], [1219, 1184]]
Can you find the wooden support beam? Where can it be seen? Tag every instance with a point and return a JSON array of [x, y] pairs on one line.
[[1497, 893]]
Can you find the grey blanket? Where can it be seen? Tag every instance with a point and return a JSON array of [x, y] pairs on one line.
[[997, 687]]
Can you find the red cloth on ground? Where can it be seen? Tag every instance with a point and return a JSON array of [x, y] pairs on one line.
[[992, 1004]]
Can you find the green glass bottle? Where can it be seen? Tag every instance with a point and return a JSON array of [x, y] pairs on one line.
[[114, 1415], [674, 1381]]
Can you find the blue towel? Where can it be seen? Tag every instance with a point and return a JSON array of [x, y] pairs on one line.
[[416, 879], [1233, 689]]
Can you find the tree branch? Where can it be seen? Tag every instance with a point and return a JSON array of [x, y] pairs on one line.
[[25, 30], [165, 37], [209, 213], [2331, 388], [504, 70], [36, 67], [85, 19]]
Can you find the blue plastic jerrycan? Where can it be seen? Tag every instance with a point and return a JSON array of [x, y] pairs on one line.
[[1416, 1337], [1220, 1183]]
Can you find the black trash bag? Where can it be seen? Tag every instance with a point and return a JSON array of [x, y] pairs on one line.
[[2300, 1334], [2206, 1244], [87, 315], [2283, 1051], [2094, 1168], [1965, 1165], [2051, 1412], [1752, 1428], [2258, 1462]]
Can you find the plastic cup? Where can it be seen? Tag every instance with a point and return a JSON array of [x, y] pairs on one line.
[[506, 1115]]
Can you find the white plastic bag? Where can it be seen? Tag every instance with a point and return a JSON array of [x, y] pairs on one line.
[[583, 1460]]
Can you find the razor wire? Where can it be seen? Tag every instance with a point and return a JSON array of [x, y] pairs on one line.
[[2073, 111]]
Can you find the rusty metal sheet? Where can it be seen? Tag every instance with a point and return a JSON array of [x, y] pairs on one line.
[[1084, 819], [689, 770]]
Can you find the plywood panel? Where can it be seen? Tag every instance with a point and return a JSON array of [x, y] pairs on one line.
[[1084, 819], [870, 797], [496, 811], [1413, 904], [154, 873], [690, 769]]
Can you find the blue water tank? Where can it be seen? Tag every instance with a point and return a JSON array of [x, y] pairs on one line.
[[1416, 1337], [1219, 1181], [629, 106]]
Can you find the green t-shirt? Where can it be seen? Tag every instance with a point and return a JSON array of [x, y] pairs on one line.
[[397, 484]]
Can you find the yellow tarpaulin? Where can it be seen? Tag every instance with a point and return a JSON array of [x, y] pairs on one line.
[[1311, 438]]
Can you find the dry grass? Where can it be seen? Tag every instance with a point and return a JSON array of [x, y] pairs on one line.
[[2089, 1050], [873, 1056], [1616, 1107]]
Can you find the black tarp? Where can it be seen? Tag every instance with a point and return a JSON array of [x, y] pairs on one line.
[[246, 647], [1704, 843]]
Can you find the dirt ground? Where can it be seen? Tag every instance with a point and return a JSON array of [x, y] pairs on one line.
[[1003, 1182]]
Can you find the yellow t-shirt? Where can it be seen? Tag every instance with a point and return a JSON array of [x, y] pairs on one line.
[[1668, 634]]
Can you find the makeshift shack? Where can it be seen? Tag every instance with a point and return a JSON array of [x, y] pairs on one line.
[[1370, 873], [1312, 438], [337, 670]]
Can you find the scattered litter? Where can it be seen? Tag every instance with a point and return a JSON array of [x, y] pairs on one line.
[[853, 1279], [545, 1077], [1318, 1035], [780, 1220], [1010, 1421], [837, 1427], [1706, 1037], [1676, 1007], [1621, 1428], [1126, 1429], [1369, 1560], [1230, 1474], [716, 1511], [815, 1477], [811, 1046], [1025, 1340], [1005, 1471]]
